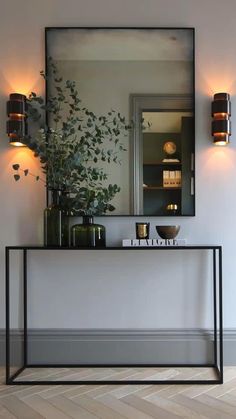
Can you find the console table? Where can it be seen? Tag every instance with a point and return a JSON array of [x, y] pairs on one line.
[[216, 365]]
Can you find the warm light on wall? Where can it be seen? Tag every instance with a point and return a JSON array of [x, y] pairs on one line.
[[221, 112], [17, 124]]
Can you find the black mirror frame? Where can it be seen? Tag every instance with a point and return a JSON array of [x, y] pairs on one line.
[[132, 168]]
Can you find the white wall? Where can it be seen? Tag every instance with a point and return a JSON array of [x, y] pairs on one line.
[[22, 56]]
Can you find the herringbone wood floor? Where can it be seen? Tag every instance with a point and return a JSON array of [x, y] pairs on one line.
[[123, 401]]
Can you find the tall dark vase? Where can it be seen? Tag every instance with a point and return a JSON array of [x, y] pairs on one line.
[[56, 223], [88, 234]]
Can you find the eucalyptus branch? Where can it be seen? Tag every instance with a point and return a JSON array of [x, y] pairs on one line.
[[74, 146], [17, 176]]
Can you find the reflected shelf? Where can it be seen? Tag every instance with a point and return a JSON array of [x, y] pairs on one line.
[[162, 188], [163, 164]]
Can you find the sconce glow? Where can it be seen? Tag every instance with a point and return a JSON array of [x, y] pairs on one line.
[[17, 143], [220, 142], [17, 124], [221, 124]]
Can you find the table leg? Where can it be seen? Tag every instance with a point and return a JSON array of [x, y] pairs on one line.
[[25, 307], [7, 290]]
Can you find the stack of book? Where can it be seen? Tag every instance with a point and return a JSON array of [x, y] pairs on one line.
[[153, 242], [171, 178]]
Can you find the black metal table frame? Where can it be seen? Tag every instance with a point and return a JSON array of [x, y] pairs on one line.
[[217, 365]]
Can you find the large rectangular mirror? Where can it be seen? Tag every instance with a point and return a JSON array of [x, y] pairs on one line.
[[146, 76]]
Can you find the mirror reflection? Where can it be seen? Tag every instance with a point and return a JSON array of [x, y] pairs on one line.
[[113, 68], [165, 159]]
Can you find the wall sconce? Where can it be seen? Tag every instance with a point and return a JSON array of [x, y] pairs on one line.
[[221, 124], [17, 124]]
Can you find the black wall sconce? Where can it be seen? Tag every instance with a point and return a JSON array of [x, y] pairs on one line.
[[221, 124], [17, 124]]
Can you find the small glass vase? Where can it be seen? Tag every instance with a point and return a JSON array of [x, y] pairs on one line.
[[56, 223], [88, 234]]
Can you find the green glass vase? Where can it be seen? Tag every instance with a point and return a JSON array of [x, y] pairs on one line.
[[56, 223], [88, 234]]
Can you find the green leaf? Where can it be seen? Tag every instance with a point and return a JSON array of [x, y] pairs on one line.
[[16, 177], [16, 166]]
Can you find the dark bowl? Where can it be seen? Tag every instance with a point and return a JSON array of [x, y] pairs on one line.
[[167, 232]]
